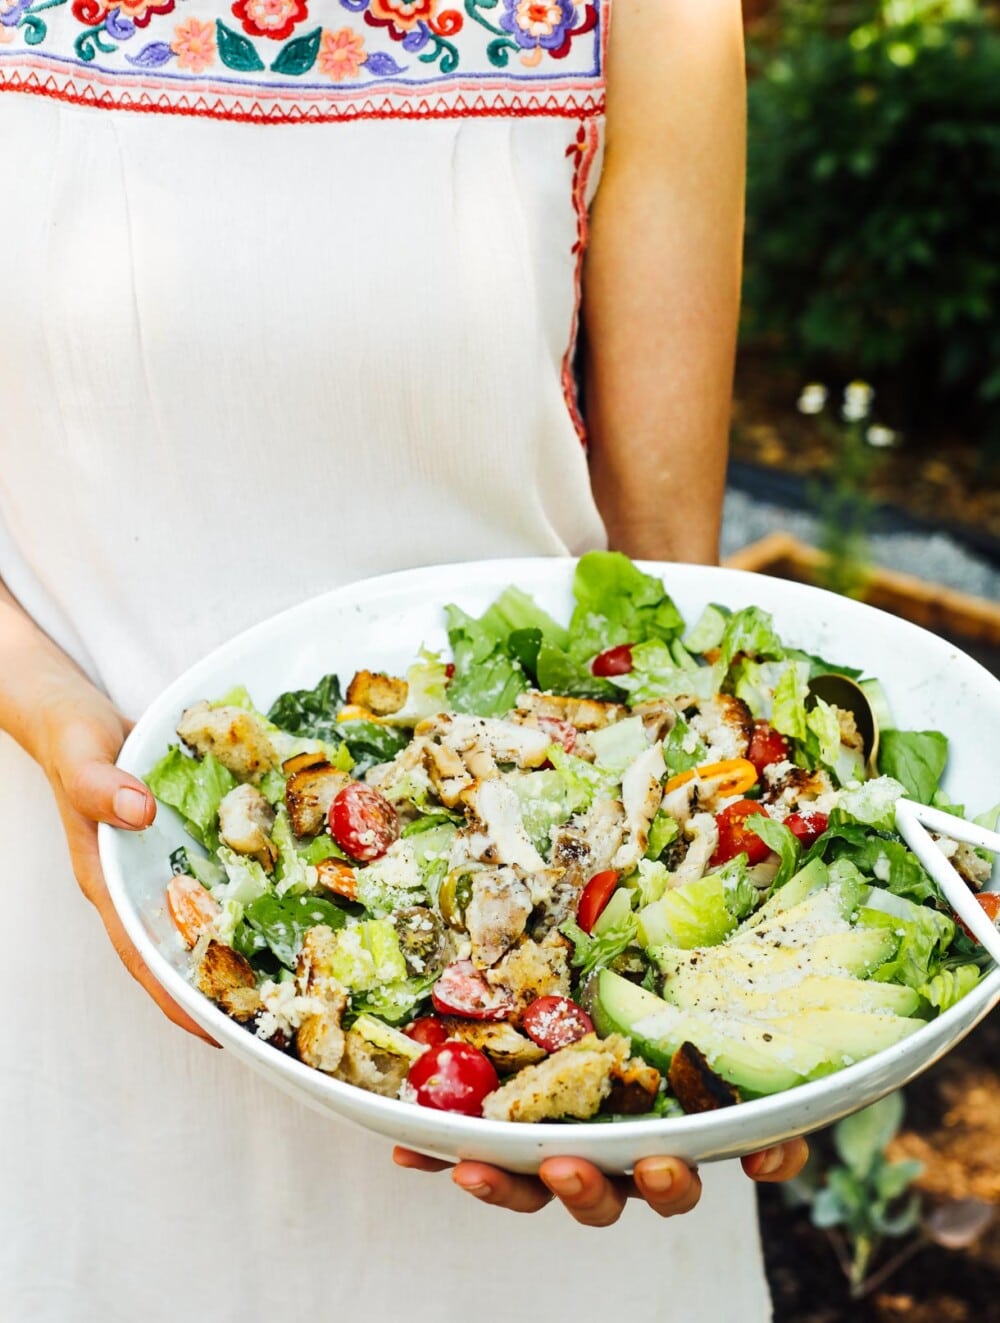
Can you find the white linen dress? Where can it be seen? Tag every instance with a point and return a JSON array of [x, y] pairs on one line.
[[288, 293]]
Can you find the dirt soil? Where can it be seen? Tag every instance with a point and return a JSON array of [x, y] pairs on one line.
[[947, 482], [953, 1126]]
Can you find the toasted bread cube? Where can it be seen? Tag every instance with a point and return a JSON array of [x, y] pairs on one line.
[[228, 979], [572, 1082], [319, 1039], [532, 970], [508, 1049], [237, 738], [379, 693], [368, 1067]]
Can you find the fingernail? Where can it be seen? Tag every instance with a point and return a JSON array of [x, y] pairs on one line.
[[129, 805], [567, 1187], [658, 1177], [479, 1188], [772, 1160]]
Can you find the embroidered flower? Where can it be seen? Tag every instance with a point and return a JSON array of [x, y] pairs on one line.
[[539, 22], [10, 15], [400, 16], [94, 12], [341, 54], [270, 18], [194, 45]]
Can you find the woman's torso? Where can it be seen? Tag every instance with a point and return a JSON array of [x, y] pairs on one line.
[[243, 362]]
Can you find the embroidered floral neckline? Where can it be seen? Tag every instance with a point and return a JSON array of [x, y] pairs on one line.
[[310, 59]]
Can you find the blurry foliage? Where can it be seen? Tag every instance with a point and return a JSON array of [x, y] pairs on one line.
[[874, 200]]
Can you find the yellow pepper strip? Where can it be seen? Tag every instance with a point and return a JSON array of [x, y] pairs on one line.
[[354, 712], [735, 777]]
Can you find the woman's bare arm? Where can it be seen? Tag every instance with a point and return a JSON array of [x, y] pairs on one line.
[[662, 275]]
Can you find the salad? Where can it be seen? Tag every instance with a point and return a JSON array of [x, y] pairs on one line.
[[628, 866]]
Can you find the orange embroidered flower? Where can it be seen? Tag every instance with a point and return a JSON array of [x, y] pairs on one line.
[[400, 16], [270, 18], [341, 54], [194, 45]]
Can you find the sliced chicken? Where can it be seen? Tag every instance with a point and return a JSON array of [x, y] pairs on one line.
[[788, 787], [238, 739], [583, 713], [724, 724], [309, 793], [496, 914], [641, 796], [703, 834], [245, 823], [497, 813], [508, 1049], [482, 742]]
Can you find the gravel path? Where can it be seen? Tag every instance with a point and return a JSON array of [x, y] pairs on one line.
[[930, 556]]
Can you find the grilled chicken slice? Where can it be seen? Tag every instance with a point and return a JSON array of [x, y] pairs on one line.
[[505, 1047], [496, 914], [245, 823], [381, 694], [583, 713], [659, 716], [447, 772], [482, 742], [237, 738], [641, 796], [309, 793], [724, 724], [787, 787], [497, 813], [703, 834], [572, 1082], [228, 979]]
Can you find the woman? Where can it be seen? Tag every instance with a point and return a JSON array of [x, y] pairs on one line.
[[307, 317]]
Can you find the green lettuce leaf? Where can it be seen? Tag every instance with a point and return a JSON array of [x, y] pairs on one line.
[[873, 804], [655, 674], [663, 831], [694, 914], [916, 758], [282, 924], [788, 713], [682, 749], [785, 844], [750, 632], [708, 630], [311, 713], [195, 788], [371, 742], [591, 953], [950, 985], [924, 935], [487, 680]]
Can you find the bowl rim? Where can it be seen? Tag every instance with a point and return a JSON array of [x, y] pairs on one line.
[[963, 1014]]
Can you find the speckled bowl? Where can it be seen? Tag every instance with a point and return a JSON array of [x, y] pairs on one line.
[[380, 624]]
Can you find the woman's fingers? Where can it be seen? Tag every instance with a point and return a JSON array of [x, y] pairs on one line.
[[586, 1193], [519, 1194], [781, 1163], [83, 756], [668, 1185], [405, 1157]]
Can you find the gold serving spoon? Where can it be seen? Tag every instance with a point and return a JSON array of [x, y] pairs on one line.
[[848, 695]]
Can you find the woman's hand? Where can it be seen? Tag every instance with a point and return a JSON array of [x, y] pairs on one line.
[[668, 1185], [76, 738]]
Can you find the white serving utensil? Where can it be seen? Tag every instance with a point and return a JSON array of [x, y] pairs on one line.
[[915, 823]]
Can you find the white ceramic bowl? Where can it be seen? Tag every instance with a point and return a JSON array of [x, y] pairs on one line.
[[380, 624]]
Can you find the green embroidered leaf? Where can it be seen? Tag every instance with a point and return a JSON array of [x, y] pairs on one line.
[[235, 51], [299, 56]]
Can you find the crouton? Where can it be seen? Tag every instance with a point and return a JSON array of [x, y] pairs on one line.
[[572, 1082], [381, 694], [508, 1049], [309, 794], [228, 979], [695, 1084], [635, 1085], [237, 738], [369, 1067], [314, 968], [319, 1039], [532, 970], [245, 821]]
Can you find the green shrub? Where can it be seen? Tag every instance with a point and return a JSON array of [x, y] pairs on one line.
[[874, 201]]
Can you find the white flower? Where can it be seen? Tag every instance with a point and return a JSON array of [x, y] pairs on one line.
[[858, 397], [882, 438], [813, 398]]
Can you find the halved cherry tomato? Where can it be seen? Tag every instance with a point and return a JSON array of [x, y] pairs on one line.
[[733, 776], [555, 1022], [363, 822], [449, 671], [807, 826], [428, 1030], [462, 990], [562, 732], [594, 897], [614, 661], [991, 908], [337, 876], [735, 837], [453, 1077], [191, 907], [767, 746]]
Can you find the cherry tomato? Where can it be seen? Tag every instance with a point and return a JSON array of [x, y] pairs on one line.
[[363, 822], [807, 826], [767, 746], [562, 732], [449, 671], [991, 908], [594, 897], [462, 990], [555, 1022], [428, 1030], [615, 661], [454, 1077], [735, 837]]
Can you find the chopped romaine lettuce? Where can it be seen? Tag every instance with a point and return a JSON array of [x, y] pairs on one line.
[[310, 712], [487, 680], [707, 632], [916, 758], [873, 804], [282, 924], [777, 837], [694, 914], [663, 832], [599, 950], [683, 749], [950, 985], [750, 632], [655, 674], [618, 745], [788, 712], [195, 787]]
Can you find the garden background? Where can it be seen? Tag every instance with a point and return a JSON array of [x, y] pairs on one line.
[[873, 254]]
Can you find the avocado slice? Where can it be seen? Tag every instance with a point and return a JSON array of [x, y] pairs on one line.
[[692, 989], [855, 951], [796, 889], [848, 1036]]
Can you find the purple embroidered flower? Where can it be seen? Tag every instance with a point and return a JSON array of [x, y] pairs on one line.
[[539, 23], [12, 11]]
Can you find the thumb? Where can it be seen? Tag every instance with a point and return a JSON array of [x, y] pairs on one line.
[[94, 786]]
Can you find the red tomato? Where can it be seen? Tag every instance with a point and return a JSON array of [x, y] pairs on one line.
[[594, 897], [363, 822], [427, 1030], [767, 746], [449, 671], [615, 661], [555, 1022], [991, 908], [454, 1077], [807, 826], [562, 732], [462, 990], [735, 837]]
